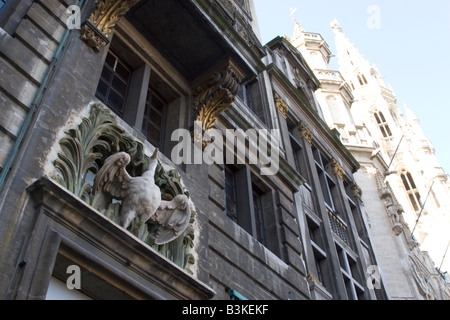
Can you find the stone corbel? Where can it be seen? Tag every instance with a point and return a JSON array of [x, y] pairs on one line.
[[98, 27], [281, 106], [305, 133], [216, 94], [337, 169]]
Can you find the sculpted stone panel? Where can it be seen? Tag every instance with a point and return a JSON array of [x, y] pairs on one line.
[[104, 166]]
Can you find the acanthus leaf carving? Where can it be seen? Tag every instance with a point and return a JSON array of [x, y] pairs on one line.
[[107, 13], [221, 90], [281, 106], [337, 169]]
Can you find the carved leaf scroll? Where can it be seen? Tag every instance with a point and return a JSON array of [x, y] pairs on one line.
[[221, 90], [107, 13]]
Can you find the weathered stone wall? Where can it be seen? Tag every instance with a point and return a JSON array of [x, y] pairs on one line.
[[228, 257]]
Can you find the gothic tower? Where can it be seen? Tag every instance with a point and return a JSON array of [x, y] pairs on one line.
[[415, 175], [398, 165]]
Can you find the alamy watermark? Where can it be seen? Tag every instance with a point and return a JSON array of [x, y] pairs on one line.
[[259, 146], [373, 278], [74, 280], [374, 20], [74, 20]]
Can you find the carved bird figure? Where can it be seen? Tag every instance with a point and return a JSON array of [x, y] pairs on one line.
[[141, 197]]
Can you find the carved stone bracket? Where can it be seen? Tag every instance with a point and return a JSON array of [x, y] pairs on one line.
[[93, 37], [107, 13], [305, 133], [216, 94], [281, 106], [337, 169]]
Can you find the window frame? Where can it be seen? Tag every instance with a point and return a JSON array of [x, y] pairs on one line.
[[146, 121], [144, 78], [255, 222], [412, 191], [109, 83], [383, 124]]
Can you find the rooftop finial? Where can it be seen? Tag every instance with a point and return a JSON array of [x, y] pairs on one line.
[[335, 25], [292, 13]]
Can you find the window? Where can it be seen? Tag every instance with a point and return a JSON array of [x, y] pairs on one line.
[[352, 85], [350, 274], [382, 124], [153, 125], [297, 152], [230, 193], [139, 94], [351, 193], [250, 94], [249, 203], [362, 79], [260, 232], [114, 82], [326, 181], [413, 192], [319, 254]]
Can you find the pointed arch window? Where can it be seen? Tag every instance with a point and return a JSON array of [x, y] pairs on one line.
[[362, 79], [382, 124], [411, 189]]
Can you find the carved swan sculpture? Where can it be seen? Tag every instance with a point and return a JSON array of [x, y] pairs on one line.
[[141, 197]]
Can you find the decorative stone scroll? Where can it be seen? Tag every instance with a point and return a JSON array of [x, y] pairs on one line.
[[98, 27], [305, 133], [281, 106], [95, 151], [337, 169], [216, 94]]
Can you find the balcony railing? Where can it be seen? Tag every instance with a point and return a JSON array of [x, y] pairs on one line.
[[338, 227]]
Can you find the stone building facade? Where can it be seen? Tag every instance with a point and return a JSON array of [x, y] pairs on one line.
[[274, 211], [356, 102]]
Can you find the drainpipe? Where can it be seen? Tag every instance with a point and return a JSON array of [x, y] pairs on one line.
[[34, 105]]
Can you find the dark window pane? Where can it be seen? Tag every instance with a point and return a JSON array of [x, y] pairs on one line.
[[122, 71], [107, 74], [156, 118], [116, 100], [113, 85], [102, 88], [388, 131], [413, 202], [405, 182], [230, 192], [153, 132], [119, 86], [158, 104], [411, 181], [110, 60], [377, 118]]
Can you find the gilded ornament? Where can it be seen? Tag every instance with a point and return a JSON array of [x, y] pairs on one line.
[[281, 106], [337, 169], [222, 88], [305, 133], [107, 13]]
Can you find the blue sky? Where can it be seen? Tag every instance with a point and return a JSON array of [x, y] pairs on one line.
[[411, 49]]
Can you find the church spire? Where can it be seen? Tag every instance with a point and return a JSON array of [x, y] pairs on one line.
[[352, 64]]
